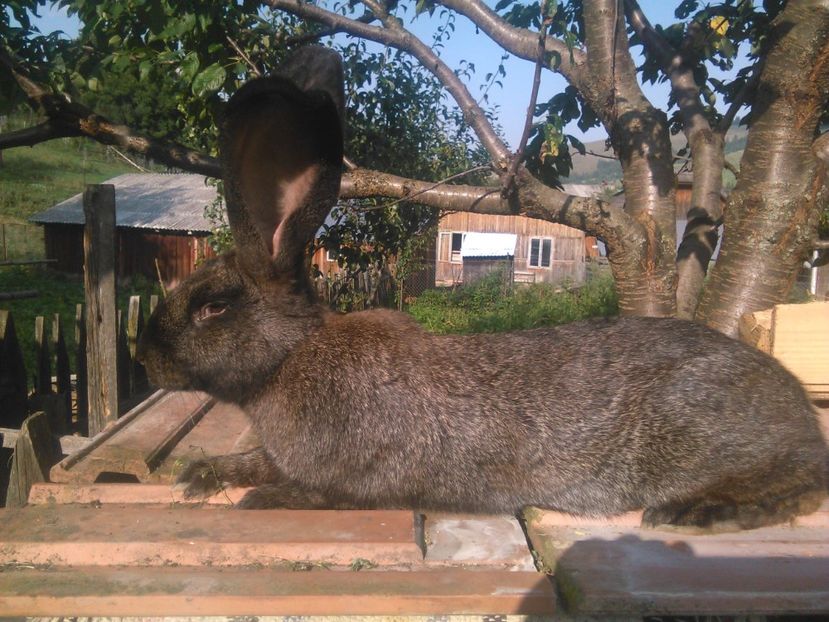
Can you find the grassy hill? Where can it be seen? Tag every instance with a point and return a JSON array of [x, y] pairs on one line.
[[35, 178], [594, 169]]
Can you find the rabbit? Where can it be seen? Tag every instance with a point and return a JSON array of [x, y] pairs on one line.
[[368, 410]]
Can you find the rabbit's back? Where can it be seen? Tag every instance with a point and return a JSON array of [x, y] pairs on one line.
[[592, 417]]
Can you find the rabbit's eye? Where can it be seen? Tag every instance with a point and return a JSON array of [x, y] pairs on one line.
[[209, 310]]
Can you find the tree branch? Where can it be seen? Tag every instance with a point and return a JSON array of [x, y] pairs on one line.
[[594, 216], [68, 118], [34, 135], [528, 121], [394, 35], [523, 43], [244, 56]]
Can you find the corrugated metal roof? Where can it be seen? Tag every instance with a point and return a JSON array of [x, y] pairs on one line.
[[488, 244], [173, 202], [584, 190]]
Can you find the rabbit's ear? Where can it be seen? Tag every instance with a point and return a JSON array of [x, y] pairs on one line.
[[281, 149]]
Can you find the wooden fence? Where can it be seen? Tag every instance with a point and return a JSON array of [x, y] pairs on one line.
[[366, 290], [50, 386]]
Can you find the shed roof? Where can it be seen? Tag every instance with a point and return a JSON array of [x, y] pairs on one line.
[[488, 244], [173, 202]]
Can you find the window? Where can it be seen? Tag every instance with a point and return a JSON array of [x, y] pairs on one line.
[[450, 246], [457, 243], [330, 255], [541, 252]]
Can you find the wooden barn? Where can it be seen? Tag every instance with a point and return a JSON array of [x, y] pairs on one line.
[[160, 226]]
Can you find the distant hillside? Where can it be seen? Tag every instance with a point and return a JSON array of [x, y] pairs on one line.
[[34, 178], [595, 169]]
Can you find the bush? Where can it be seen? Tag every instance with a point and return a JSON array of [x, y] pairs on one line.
[[484, 308]]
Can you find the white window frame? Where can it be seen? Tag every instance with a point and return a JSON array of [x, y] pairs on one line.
[[541, 240], [447, 237], [329, 256]]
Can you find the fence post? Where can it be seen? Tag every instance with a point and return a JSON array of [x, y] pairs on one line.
[[80, 368], [62, 370], [13, 376], [43, 371], [99, 293], [122, 356], [135, 326]]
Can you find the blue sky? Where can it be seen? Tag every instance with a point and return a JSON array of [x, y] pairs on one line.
[[465, 44]]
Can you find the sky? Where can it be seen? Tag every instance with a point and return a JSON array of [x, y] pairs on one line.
[[466, 44]]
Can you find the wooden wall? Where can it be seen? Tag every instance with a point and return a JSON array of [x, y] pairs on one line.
[[568, 251], [178, 254]]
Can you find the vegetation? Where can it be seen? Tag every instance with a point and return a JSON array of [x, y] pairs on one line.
[[32, 180], [484, 306], [58, 293]]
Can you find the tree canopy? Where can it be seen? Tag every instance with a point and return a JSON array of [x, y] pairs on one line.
[[408, 100]]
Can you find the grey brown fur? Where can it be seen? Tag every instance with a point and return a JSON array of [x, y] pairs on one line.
[[369, 410]]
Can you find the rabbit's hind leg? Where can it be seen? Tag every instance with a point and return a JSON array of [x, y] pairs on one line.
[[736, 505]]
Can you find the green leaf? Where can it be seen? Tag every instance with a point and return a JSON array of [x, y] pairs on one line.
[[209, 80], [189, 67]]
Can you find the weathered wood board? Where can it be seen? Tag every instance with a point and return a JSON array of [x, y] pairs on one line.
[[798, 336], [153, 441]]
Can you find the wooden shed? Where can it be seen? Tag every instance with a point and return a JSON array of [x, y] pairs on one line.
[[160, 226], [544, 251]]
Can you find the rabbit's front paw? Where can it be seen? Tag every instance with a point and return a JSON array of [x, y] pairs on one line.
[[199, 479]]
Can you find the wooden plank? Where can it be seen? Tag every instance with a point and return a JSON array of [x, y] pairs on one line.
[[34, 453], [220, 431], [135, 494], [96, 591], [138, 443], [612, 566], [800, 340], [99, 294], [127, 535], [13, 379]]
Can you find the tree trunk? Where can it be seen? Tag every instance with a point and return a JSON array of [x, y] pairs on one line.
[[772, 214], [643, 265]]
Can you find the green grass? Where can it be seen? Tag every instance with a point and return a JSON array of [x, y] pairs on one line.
[[35, 178], [485, 307], [59, 293]]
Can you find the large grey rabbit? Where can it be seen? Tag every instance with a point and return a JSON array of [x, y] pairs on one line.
[[368, 410]]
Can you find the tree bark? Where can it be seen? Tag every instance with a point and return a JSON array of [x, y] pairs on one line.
[[643, 266], [771, 217]]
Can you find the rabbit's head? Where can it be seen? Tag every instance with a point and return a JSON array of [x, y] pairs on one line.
[[227, 327]]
